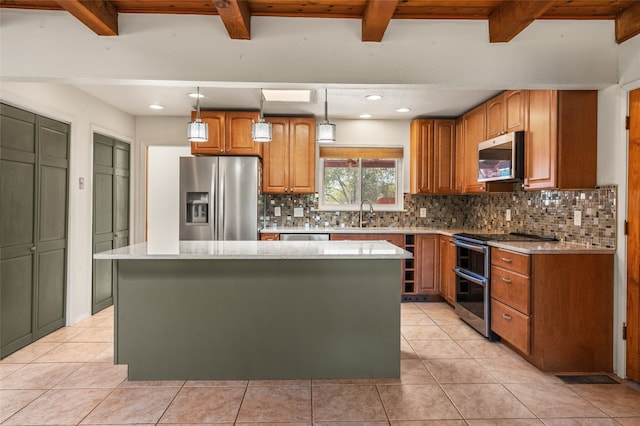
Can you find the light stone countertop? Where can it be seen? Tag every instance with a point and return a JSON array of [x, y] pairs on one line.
[[542, 247], [356, 230], [257, 250], [549, 247]]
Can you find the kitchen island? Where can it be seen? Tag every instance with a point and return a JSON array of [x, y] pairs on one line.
[[227, 310]]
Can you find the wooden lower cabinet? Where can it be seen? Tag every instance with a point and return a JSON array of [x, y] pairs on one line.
[[270, 237], [556, 310], [426, 263], [447, 277]]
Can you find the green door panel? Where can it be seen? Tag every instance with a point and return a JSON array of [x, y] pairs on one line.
[[53, 206], [17, 129], [34, 183], [16, 203], [16, 296], [110, 212]]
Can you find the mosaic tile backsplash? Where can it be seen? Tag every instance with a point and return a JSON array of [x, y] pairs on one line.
[[546, 213]]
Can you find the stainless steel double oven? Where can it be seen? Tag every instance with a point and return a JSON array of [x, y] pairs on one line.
[[473, 276]]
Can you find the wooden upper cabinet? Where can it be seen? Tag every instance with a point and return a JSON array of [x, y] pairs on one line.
[[444, 157], [433, 156], [290, 157], [215, 144], [302, 155], [561, 142], [459, 180], [238, 133], [507, 112], [421, 156], [474, 131], [229, 133]]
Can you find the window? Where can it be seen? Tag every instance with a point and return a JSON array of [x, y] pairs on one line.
[[350, 175]]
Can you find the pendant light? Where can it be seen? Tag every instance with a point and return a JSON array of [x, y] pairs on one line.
[[261, 130], [198, 130], [325, 131]]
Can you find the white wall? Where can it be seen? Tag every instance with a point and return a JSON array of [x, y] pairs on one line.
[[163, 196], [86, 115]]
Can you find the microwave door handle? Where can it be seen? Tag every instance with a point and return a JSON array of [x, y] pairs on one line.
[[460, 272], [480, 249]]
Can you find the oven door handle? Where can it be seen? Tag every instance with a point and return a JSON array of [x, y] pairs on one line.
[[474, 247], [461, 273]]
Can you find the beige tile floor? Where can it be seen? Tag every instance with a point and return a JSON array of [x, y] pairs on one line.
[[450, 375]]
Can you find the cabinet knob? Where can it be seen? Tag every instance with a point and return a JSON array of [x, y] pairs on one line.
[[507, 317], [506, 259], [506, 280], [33, 249]]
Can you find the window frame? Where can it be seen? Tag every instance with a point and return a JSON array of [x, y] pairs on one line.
[[361, 154]]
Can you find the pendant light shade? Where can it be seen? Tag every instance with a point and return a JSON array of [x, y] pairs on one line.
[[198, 130], [261, 130], [325, 131]]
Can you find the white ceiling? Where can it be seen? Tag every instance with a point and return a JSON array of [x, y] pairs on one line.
[[343, 102]]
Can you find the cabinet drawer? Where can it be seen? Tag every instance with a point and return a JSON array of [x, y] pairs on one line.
[[511, 288], [510, 260], [511, 325]]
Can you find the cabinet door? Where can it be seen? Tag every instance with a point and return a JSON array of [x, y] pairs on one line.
[[421, 151], [459, 135], [302, 155], [426, 263], [516, 108], [474, 133], [215, 144], [496, 116], [275, 170], [238, 140], [446, 274], [542, 140], [444, 157]]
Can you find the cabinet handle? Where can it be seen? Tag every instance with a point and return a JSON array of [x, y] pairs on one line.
[[507, 317], [33, 249], [506, 259], [506, 280]]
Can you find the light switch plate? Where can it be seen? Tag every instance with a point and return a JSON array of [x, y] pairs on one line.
[[298, 212], [423, 212], [277, 212], [577, 218]]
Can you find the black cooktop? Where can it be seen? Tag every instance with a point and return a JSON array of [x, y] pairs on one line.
[[513, 236]]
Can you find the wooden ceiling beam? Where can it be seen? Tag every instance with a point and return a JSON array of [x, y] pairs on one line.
[[376, 17], [236, 16], [511, 17], [628, 23], [99, 15]]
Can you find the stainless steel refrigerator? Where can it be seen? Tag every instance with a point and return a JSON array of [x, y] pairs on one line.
[[219, 198]]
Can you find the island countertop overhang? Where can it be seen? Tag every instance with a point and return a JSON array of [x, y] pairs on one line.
[[257, 250]]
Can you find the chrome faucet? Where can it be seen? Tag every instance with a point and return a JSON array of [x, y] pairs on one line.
[[370, 210]]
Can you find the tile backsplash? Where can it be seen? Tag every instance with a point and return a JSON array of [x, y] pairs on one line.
[[547, 213]]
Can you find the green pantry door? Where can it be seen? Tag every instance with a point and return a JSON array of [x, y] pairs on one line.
[[34, 170], [110, 212]]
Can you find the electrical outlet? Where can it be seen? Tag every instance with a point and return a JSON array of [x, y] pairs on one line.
[[507, 215], [277, 212], [423, 212], [298, 212], [577, 218]]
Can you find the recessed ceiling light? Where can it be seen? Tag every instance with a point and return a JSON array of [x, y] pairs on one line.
[[374, 97], [196, 95], [278, 95], [156, 106], [403, 110], [365, 115]]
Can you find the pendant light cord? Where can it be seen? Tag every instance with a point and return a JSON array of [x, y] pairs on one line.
[[198, 105]]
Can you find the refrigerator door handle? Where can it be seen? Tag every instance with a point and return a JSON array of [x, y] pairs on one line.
[[223, 214], [213, 210]]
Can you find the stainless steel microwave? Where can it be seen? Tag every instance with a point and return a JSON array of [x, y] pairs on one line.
[[502, 158]]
